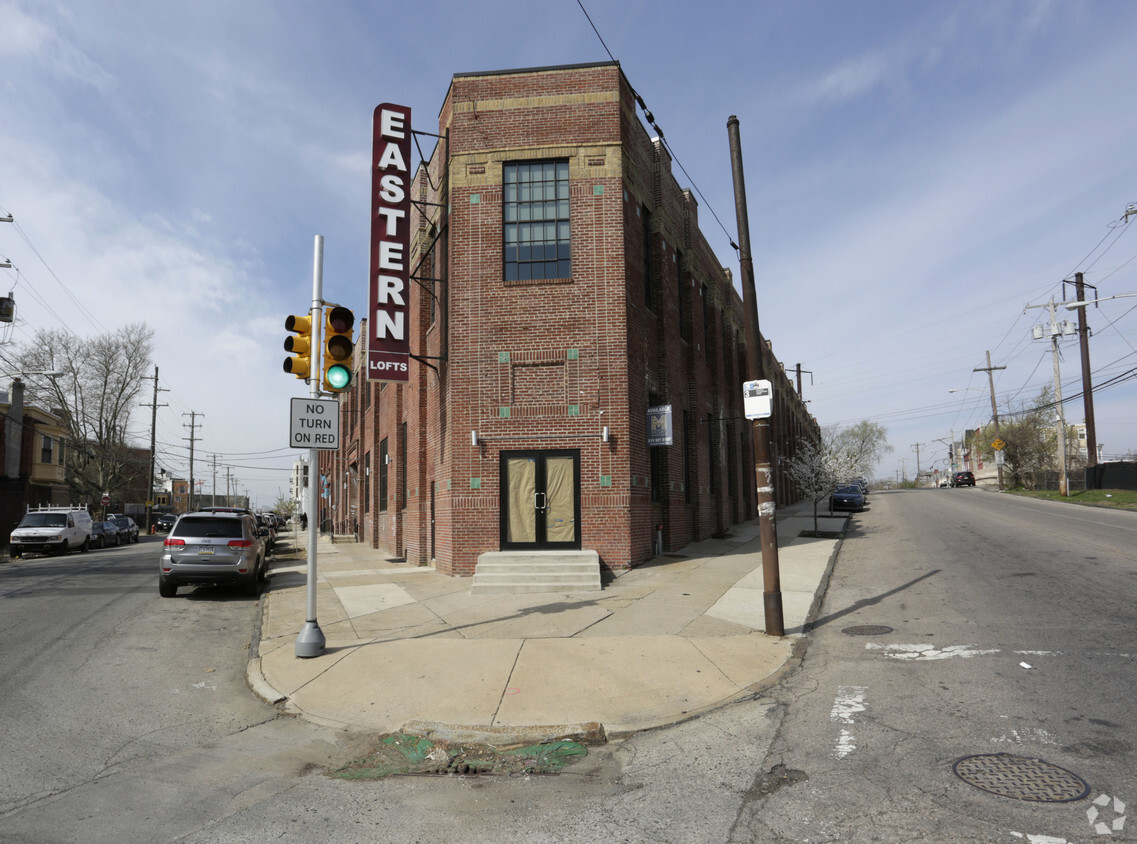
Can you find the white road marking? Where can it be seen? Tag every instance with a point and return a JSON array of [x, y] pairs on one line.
[[925, 651], [1104, 827], [849, 701]]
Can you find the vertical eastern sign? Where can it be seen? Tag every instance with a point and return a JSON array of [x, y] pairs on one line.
[[388, 341]]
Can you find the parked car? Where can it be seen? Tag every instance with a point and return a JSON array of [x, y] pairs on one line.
[[51, 530], [847, 497], [963, 479], [127, 529], [268, 527], [165, 522], [213, 547], [104, 534]]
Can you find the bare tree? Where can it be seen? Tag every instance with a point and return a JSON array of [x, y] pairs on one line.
[[96, 394]]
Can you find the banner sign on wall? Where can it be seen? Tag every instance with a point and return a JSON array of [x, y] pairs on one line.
[[659, 425], [388, 342]]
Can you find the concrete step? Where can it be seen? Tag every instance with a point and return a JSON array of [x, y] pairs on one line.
[[516, 572], [535, 568]]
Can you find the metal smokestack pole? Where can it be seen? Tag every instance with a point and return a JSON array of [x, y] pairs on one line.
[[767, 525]]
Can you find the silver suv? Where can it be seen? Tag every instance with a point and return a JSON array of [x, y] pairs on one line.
[[213, 548]]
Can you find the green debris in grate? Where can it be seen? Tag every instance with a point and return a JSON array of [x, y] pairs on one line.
[[405, 754]]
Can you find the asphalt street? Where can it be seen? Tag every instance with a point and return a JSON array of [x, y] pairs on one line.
[[1012, 632]]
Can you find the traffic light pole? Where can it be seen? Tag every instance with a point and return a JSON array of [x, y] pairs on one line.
[[311, 640]]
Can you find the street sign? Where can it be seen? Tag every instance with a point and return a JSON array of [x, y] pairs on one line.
[[315, 424], [757, 399], [105, 500], [998, 444]]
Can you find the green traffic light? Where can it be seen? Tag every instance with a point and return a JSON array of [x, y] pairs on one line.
[[338, 377]]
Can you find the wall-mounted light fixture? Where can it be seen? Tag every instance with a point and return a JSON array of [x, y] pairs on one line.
[[604, 434], [473, 438]]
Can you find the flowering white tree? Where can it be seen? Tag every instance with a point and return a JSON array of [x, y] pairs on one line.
[[818, 466]]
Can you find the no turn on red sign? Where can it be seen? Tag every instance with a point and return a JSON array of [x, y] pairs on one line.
[[315, 424]]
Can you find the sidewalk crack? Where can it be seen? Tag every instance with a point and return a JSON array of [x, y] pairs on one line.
[[512, 668]]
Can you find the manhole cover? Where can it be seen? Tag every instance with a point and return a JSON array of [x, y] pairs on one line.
[[867, 630], [1021, 778]]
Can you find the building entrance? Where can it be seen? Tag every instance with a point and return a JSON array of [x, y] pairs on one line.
[[540, 500]]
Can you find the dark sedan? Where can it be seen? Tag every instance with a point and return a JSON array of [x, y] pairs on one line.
[[104, 534], [127, 529], [847, 497]]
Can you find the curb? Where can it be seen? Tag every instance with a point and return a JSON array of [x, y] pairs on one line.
[[260, 686]]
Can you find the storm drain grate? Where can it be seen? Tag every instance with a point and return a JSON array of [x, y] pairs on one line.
[[867, 630], [1021, 778]]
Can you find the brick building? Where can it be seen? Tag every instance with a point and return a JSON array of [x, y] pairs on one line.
[[562, 288]]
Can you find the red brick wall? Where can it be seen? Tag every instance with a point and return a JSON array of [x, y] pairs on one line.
[[547, 364]]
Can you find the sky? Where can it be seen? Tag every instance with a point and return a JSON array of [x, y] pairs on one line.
[[917, 175]]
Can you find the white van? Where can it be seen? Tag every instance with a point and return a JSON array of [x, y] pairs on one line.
[[52, 530]]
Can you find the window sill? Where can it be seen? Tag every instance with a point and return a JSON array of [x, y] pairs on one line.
[[536, 282]]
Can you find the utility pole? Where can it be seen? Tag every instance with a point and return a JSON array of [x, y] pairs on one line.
[[767, 524], [799, 372], [153, 433], [1084, 341], [192, 439], [994, 408], [1087, 387], [1056, 330], [917, 463]]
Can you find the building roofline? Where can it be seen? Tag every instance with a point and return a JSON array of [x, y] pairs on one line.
[[517, 71], [520, 70]]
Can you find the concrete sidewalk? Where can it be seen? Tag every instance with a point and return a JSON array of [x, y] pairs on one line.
[[412, 650]]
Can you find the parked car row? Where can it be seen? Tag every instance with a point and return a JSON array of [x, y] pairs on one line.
[[57, 530], [118, 531]]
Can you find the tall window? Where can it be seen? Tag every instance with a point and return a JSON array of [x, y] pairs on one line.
[[45, 452], [656, 458], [536, 215], [402, 466], [367, 483], [383, 456], [430, 270], [649, 300]]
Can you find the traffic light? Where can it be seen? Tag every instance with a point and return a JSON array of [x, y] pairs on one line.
[[338, 346], [300, 364]]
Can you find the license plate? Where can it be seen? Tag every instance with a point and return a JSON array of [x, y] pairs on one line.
[[205, 550]]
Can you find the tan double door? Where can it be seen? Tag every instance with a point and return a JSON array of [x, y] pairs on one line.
[[540, 506]]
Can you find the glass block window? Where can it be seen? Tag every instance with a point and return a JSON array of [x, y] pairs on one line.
[[536, 220]]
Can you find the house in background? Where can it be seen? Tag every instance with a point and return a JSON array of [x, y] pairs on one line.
[[33, 442]]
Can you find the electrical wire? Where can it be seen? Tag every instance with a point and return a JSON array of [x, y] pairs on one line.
[[662, 138]]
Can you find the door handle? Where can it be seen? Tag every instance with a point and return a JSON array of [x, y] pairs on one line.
[[540, 502]]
